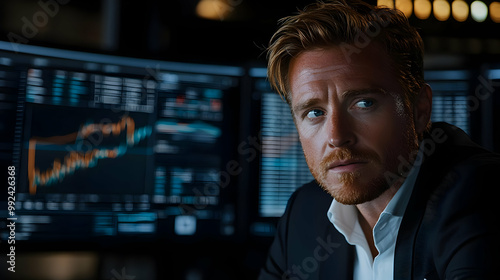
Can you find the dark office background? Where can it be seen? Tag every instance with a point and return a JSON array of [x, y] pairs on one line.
[[462, 65]]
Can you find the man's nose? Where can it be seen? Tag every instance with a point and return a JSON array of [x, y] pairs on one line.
[[339, 130]]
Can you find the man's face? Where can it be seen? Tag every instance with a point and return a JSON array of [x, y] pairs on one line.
[[351, 120]]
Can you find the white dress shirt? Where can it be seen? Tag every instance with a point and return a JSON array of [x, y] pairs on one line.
[[385, 232]]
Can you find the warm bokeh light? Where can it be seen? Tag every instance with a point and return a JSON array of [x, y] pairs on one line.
[[59, 265], [460, 10], [387, 3], [405, 6], [441, 10], [212, 9], [495, 11], [479, 11], [422, 9]]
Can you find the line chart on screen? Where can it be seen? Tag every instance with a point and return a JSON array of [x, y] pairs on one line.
[[77, 159]]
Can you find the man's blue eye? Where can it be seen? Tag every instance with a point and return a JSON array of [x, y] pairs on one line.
[[365, 103], [315, 113]]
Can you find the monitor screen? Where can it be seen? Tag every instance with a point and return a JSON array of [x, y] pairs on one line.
[[116, 146]]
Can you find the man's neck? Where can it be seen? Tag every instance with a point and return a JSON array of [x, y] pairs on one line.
[[369, 213], [371, 210]]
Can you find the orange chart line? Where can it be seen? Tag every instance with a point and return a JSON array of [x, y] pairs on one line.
[[31, 166], [75, 160]]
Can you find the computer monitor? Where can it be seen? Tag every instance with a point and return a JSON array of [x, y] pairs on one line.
[[106, 146]]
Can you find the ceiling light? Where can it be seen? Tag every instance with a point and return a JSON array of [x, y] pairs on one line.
[[441, 10], [422, 9], [460, 10], [479, 11]]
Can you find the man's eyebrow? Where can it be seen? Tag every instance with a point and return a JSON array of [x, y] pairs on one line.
[[306, 105], [356, 92]]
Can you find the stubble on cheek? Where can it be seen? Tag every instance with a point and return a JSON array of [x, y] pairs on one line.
[[347, 187]]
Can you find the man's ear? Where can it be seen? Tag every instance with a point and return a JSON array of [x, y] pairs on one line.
[[422, 109]]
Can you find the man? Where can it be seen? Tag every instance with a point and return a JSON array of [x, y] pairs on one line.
[[395, 197]]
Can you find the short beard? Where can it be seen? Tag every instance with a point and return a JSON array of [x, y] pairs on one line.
[[350, 192]]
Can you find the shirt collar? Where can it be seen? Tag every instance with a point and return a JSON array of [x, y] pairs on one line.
[[399, 201]]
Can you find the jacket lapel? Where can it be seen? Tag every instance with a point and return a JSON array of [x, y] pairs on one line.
[[439, 157], [435, 158], [340, 264]]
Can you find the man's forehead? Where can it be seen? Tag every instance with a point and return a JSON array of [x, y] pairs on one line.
[[316, 69], [322, 63]]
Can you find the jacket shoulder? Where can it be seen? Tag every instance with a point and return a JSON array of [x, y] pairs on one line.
[[307, 245], [311, 192], [307, 208], [453, 199]]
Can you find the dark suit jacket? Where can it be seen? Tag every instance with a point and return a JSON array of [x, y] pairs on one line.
[[450, 229]]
